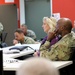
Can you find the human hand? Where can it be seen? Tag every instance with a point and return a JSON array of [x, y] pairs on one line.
[[15, 42], [52, 35], [36, 54]]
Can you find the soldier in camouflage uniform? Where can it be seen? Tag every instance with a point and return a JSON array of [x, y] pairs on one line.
[[62, 49], [27, 32], [1, 29], [19, 36]]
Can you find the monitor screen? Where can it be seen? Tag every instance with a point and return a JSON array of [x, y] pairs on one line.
[[1, 62]]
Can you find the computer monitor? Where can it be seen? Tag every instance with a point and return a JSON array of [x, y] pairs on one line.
[[1, 62]]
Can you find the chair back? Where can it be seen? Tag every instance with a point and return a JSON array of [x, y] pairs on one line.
[[73, 53], [4, 35]]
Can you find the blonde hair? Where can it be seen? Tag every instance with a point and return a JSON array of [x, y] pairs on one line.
[[51, 22], [37, 66]]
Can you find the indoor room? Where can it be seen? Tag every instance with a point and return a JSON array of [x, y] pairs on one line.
[[39, 30]]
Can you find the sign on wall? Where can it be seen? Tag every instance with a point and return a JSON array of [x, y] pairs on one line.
[[56, 15], [7, 1]]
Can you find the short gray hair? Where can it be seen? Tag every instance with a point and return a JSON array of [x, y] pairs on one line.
[[24, 25], [37, 66]]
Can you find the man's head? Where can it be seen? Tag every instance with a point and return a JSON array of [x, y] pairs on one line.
[[19, 35], [64, 26], [37, 66], [24, 29]]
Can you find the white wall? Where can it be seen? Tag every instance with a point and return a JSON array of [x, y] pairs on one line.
[[22, 12], [51, 7]]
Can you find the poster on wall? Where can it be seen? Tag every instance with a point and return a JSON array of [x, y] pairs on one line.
[[7, 1], [56, 15]]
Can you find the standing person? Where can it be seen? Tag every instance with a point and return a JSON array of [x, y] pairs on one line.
[[62, 49], [37, 66], [21, 38], [28, 32]]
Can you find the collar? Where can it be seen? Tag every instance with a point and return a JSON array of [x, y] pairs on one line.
[[69, 34]]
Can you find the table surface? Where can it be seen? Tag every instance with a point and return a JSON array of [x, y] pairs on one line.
[[13, 66]]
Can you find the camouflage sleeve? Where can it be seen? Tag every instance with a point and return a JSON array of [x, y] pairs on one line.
[[44, 46], [30, 41], [57, 52], [31, 34]]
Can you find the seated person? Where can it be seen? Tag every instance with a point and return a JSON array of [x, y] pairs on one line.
[[1, 29], [49, 25], [62, 49], [37, 66], [21, 38], [28, 32], [2, 42]]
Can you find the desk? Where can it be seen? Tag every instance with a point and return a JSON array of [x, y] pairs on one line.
[[15, 66], [12, 66], [58, 64], [22, 53], [62, 64]]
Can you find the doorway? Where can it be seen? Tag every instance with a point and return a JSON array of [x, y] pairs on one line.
[[35, 10]]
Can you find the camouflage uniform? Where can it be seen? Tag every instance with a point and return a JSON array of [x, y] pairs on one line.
[[1, 29], [31, 34], [59, 51], [28, 40]]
